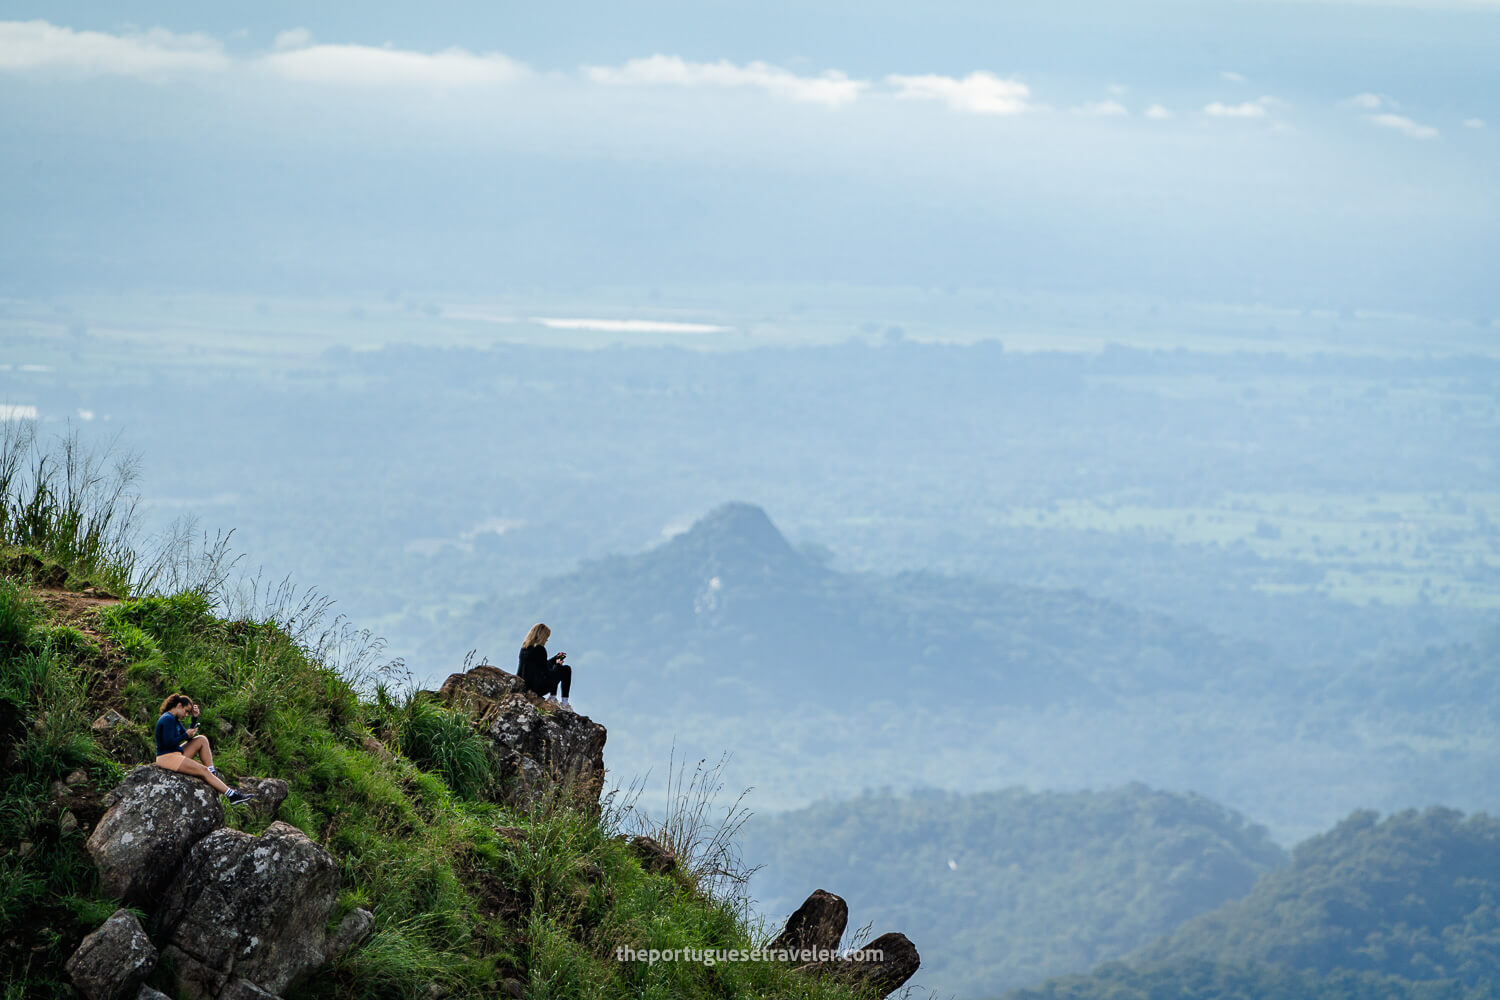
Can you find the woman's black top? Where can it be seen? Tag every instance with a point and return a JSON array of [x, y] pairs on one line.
[[533, 667]]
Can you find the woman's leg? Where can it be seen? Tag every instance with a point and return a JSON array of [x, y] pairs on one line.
[[565, 675], [197, 770], [198, 747]]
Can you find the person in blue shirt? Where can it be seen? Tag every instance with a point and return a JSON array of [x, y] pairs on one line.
[[177, 746]]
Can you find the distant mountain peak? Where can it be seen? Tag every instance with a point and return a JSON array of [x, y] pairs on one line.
[[737, 535], [739, 518]]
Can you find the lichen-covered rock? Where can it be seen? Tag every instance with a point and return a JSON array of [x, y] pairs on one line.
[[111, 719], [817, 924], [147, 993], [350, 934], [112, 962], [253, 909], [269, 794], [151, 820], [890, 961], [482, 682], [541, 753]]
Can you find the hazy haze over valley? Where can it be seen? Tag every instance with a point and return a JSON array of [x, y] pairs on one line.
[[974, 421]]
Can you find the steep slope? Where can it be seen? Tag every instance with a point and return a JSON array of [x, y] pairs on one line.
[[1014, 886], [731, 596], [410, 805]]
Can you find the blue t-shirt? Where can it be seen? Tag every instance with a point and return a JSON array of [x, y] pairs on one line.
[[170, 736]]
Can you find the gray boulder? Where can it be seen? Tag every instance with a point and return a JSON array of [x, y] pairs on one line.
[[253, 909], [349, 934], [151, 820], [111, 719], [147, 993], [482, 684], [114, 960], [817, 924], [888, 962], [545, 753], [269, 794]]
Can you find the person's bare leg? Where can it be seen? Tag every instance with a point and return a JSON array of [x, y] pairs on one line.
[[197, 770], [198, 747]]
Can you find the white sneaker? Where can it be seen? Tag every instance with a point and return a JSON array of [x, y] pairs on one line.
[[564, 704]]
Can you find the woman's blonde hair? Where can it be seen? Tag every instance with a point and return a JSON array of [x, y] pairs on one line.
[[538, 636]]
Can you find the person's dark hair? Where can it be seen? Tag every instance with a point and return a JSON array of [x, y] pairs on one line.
[[173, 700]]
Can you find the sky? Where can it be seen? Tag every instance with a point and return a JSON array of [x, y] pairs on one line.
[[1316, 154]]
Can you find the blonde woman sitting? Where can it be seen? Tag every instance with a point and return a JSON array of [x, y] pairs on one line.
[[542, 674]]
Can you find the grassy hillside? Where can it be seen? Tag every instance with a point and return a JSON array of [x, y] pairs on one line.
[[1405, 907], [393, 786], [1014, 886]]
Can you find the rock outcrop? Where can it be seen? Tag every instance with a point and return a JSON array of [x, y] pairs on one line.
[[114, 960], [237, 917], [541, 754], [482, 683], [882, 966], [890, 961], [269, 794], [253, 909], [151, 820], [540, 750], [817, 924]]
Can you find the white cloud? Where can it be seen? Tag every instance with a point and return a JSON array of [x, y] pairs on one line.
[[1257, 108], [1158, 112], [1102, 109], [41, 46], [366, 65], [1404, 125], [1233, 77], [831, 88], [293, 38], [1116, 90], [1473, 123], [1369, 102], [979, 93]]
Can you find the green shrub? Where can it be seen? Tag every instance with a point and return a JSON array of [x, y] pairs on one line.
[[445, 743]]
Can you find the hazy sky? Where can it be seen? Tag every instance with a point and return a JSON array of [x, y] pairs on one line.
[[1338, 153]]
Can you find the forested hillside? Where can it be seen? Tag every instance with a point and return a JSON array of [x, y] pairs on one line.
[[1404, 907], [1415, 895], [1015, 886]]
